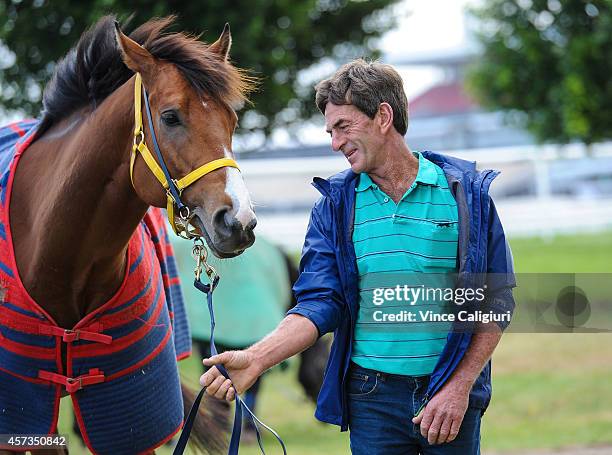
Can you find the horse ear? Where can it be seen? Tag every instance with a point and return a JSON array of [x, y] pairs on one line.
[[135, 57], [223, 44]]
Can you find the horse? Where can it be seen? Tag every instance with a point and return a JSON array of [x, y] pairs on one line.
[[90, 301]]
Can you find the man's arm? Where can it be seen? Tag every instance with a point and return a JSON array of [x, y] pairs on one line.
[[319, 310], [294, 334], [441, 419]]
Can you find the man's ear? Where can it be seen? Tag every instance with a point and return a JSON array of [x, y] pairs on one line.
[[223, 44], [385, 112], [135, 57]]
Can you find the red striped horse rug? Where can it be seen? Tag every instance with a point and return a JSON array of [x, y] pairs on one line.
[[121, 372]]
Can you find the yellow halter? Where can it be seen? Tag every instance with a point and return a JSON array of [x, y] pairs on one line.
[[174, 188]]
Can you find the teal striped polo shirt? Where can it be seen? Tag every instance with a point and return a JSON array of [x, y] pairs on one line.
[[400, 248]]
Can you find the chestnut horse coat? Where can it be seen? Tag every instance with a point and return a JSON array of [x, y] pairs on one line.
[[121, 356]]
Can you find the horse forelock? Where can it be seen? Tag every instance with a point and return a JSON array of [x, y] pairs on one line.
[[93, 68]]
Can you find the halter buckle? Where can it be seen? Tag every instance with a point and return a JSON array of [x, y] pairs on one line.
[[185, 213]]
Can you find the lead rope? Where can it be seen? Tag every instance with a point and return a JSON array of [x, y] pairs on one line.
[[200, 254]]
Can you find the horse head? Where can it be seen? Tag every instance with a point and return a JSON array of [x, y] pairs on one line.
[[193, 119]]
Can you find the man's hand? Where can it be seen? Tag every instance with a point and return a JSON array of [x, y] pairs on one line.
[[241, 367], [294, 334], [441, 419]]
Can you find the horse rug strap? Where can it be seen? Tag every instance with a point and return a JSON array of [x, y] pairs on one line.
[[241, 406], [174, 188]]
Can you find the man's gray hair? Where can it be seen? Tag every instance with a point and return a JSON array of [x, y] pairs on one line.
[[366, 85]]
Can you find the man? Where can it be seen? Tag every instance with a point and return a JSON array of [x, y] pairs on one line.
[[398, 390]]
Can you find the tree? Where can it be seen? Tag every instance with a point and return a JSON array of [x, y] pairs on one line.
[[550, 61], [276, 39]]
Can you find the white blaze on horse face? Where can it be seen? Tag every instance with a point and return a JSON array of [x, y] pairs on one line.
[[236, 189]]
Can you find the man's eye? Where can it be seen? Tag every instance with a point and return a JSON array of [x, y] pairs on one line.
[[170, 118]]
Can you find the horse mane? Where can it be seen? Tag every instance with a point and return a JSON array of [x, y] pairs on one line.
[[93, 68]]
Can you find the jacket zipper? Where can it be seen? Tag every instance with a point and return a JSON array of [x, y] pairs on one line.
[[346, 243], [480, 185], [437, 387], [433, 391]]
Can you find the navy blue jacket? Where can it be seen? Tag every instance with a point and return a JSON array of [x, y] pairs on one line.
[[327, 289]]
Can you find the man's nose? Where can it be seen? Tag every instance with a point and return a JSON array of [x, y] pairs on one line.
[[337, 141]]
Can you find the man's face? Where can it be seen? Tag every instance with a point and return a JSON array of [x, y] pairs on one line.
[[355, 135]]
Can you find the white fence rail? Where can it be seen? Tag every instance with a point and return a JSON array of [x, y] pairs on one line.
[[282, 192]]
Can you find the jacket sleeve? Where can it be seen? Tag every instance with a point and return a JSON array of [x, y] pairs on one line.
[[318, 289], [500, 270]]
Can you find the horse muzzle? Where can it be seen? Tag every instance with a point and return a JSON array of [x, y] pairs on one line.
[[225, 235]]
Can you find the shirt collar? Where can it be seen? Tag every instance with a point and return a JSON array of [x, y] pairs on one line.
[[426, 174], [365, 182]]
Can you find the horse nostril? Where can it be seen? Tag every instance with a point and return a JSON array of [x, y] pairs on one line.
[[222, 221], [251, 226], [226, 225]]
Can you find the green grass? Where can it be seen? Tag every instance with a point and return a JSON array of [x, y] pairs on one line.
[[564, 253], [553, 390], [550, 390]]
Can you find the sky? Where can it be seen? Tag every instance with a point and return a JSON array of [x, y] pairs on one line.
[[425, 28]]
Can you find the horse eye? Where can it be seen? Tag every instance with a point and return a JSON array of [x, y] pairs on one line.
[[170, 118]]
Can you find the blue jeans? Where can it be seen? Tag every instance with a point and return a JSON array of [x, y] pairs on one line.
[[381, 408]]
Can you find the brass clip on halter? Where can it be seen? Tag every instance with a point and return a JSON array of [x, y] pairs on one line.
[[200, 254]]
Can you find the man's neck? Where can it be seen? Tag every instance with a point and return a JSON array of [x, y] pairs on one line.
[[397, 171]]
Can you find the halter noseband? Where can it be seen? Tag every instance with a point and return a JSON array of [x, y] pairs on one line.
[[174, 188]]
